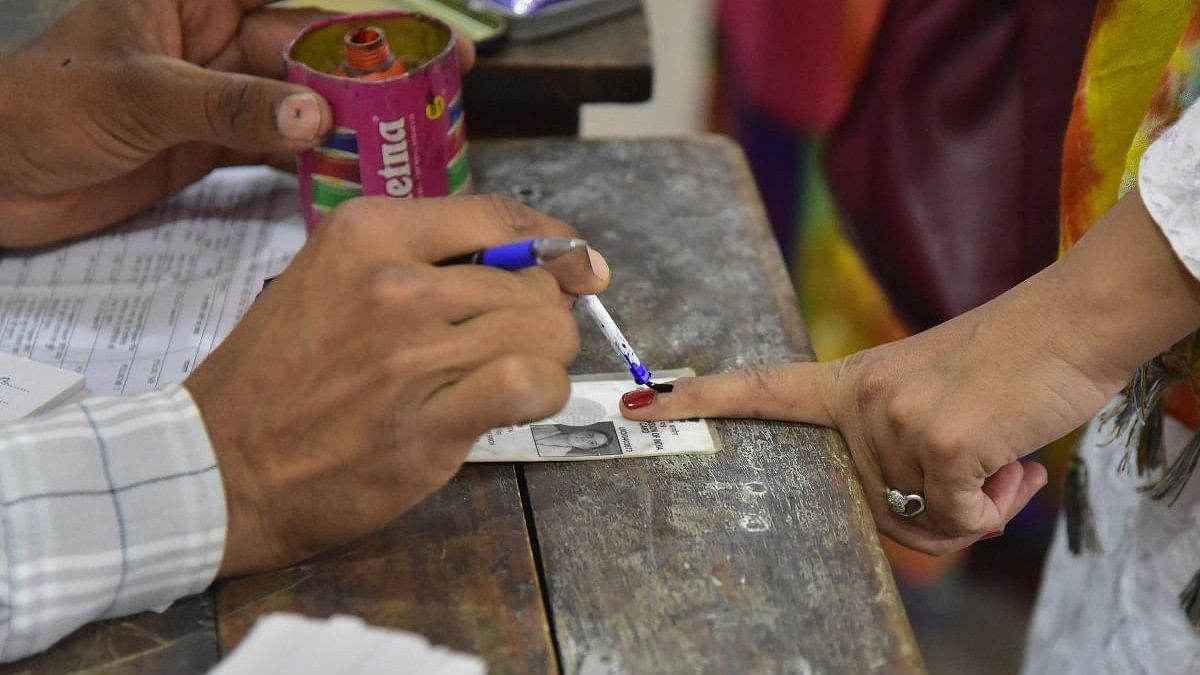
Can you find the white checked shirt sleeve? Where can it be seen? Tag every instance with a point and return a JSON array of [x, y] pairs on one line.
[[1169, 181], [108, 507]]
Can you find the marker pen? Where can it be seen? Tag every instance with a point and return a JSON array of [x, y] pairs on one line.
[[530, 252], [519, 254], [522, 254], [514, 256], [591, 304]]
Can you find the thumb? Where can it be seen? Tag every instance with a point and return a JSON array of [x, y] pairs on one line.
[[176, 102], [795, 392]]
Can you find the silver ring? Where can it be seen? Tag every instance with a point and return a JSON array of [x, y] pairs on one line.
[[905, 505]]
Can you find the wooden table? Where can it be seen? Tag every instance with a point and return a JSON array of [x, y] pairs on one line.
[[537, 88], [520, 89], [760, 559]]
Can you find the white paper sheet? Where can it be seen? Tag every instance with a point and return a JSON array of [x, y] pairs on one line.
[[137, 308], [28, 387], [298, 645]]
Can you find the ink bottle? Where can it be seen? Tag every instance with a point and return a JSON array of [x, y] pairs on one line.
[[368, 56]]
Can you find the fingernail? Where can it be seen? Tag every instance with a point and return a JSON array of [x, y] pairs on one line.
[[638, 398], [599, 264], [991, 535], [299, 117]]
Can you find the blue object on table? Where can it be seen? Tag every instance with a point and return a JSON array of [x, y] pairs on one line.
[[520, 254]]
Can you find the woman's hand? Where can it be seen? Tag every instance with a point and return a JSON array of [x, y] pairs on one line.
[[949, 412], [123, 102], [946, 413]]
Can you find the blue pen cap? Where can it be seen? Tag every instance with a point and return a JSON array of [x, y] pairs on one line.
[[515, 256], [640, 374]]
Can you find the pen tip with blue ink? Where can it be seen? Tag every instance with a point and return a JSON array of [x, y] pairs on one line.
[[641, 374], [522, 254], [592, 305]]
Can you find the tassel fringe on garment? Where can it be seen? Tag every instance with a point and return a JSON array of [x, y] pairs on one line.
[[1139, 416]]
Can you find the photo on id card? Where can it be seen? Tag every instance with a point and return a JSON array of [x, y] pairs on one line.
[[591, 427]]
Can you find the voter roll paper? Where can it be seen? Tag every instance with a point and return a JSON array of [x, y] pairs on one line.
[[591, 427], [31, 388]]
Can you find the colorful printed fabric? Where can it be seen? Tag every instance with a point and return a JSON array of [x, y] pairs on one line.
[[797, 60], [818, 49], [767, 42], [1138, 76]]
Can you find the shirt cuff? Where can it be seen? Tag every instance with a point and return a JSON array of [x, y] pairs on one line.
[[1169, 182], [109, 506]]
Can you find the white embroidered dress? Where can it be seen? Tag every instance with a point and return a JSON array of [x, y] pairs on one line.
[[1118, 611]]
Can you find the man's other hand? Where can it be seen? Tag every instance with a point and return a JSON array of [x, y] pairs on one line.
[[123, 102]]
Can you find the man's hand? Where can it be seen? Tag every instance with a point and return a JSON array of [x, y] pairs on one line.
[[123, 102], [359, 379]]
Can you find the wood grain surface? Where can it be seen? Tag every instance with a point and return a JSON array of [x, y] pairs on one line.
[[182, 639], [457, 569], [607, 61], [762, 558], [529, 89]]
